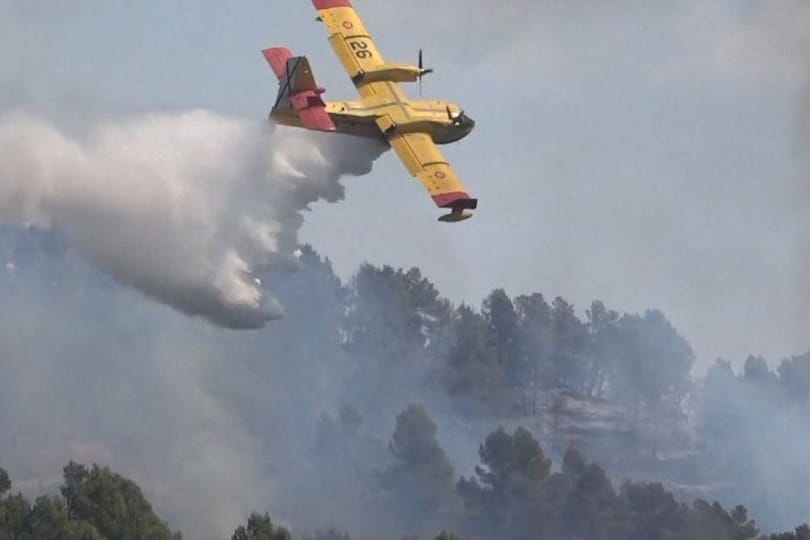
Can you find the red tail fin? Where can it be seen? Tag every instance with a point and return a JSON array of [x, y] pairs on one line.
[[277, 58], [298, 89]]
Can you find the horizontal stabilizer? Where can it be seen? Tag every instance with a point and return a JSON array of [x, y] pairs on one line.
[[312, 111]]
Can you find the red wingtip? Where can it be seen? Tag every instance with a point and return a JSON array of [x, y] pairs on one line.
[[456, 200], [277, 58], [329, 4]]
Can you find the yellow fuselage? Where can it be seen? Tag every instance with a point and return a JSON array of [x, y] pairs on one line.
[[377, 116]]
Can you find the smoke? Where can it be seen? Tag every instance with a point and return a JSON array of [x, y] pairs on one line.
[[95, 373], [211, 424], [192, 209], [756, 432], [788, 38], [802, 271], [803, 153]]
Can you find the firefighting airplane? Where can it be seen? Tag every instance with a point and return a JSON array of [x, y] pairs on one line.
[[412, 127]]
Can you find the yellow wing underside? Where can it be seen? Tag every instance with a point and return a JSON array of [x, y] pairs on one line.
[[353, 45], [424, 160]]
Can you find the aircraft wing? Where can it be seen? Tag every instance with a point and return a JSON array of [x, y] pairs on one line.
[[424, 160], [348, 36]]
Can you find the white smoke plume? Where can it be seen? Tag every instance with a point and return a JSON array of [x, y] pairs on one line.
[[189, 208]]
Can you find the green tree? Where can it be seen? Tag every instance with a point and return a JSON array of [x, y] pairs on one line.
[[80, 530], [472, 375], [260, 527], [654, 363], [569, 353], [112, 503], [756, 370], [721, 417], [74, 475], [801, 533], [315, 295], [534, 346], [592, 508], [395, 328], [421, 477], [5, 482], [14, 512], [502, 325], [655, 513], [744, 527], [49, 521], [712, 521], [794, 377], [603, 328], [447, 536], [393, 313], [502, 496], [99, 512]]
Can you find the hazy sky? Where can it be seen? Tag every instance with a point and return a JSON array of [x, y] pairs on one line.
[[643, 153]]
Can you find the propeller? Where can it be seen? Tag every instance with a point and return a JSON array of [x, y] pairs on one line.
[[422, 71]]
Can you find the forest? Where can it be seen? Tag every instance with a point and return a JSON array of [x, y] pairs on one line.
[[514, 494], [379, 409]]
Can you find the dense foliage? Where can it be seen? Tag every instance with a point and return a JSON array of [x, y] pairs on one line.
[[94, 504], [363, 408], [513, 495]]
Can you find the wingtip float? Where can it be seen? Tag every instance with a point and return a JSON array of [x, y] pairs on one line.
[[413, 128]]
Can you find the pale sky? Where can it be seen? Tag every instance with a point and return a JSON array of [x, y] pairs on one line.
[[643, 153]]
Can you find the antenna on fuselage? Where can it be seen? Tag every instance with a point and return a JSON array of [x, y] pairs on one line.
[[422, 71]]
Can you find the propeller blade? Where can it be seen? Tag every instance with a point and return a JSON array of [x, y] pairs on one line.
[[422, 71]]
